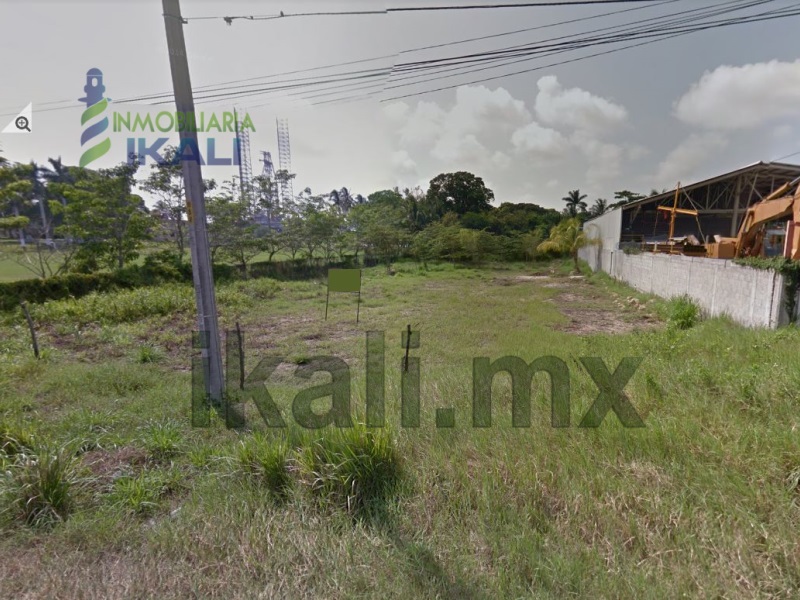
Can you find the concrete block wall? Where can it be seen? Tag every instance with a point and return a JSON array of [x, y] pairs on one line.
[[752, 297]]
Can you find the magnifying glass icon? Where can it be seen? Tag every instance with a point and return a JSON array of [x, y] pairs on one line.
[[23, 123]]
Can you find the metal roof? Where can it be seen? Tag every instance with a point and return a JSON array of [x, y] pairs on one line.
[[769, 168]]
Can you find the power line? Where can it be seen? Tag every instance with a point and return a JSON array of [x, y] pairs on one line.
[[355, 80], [402, 9], [787, 156], [540, 49], [226, 84], [577, 44], [524, 71]]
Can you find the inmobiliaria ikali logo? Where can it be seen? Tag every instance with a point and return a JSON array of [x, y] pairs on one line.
[[96, 142]]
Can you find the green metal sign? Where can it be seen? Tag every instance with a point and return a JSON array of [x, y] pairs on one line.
[[347, 281]]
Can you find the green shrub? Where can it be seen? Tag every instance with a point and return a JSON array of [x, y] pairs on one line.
[[683, 313], [140, 494], [117, 307], [15, 440]]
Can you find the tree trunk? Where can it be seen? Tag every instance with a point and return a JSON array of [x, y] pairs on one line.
[[20, 231], [45, 227]]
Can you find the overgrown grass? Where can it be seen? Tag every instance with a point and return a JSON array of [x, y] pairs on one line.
[[163, 440], [125, 306], [701, 502]]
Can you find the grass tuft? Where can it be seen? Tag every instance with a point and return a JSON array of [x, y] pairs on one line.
[[267, 462], [149, 353], [163, 440], [355, 469], [37, 488]]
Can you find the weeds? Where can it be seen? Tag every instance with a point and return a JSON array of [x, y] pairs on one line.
[[266, 461], [150, 353], [140, 494], [683, 313], [163, 440], [38, 487]]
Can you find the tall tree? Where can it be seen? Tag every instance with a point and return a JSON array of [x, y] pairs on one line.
[[599, 207], [459, 192], [165, 182], [110, 222], [575, 203], [57, 173], [16, 192], [232, 234]]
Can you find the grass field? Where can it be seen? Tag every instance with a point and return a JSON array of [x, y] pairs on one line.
[[702, 502]]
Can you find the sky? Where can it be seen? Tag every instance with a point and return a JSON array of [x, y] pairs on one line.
[[648, 117]]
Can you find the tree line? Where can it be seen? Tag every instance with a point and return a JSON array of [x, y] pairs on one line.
[[67, 218]]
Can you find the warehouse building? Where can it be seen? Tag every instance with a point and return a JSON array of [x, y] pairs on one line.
[[751, 297]]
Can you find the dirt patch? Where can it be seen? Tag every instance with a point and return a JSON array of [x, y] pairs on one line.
[[586, 321], [558, 284], [531, 277], [109, 464], [568, 297]]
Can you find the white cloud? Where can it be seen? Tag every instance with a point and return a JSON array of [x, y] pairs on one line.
[[494, 135], [501, 160], [423, 125], [396, 110], [403, 163], [539, 140], [689, 158], [743, 97], [452, 148], [575, 108]]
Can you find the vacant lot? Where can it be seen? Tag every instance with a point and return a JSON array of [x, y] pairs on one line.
[[702, 502]]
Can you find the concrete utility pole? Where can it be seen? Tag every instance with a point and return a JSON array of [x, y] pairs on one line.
[[196, 208]]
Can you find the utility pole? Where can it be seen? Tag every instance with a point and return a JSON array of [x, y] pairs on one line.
[[196, 207]]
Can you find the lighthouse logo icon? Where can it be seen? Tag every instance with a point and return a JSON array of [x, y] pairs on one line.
[[93, 120]]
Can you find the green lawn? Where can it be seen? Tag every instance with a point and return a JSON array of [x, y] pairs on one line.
[[702, 502]]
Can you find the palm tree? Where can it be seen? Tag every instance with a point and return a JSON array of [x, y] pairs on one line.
[[342, 199], [575, 203], [566, 238], [599, 207]]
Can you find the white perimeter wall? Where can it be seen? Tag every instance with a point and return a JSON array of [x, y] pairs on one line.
[[752, 297]]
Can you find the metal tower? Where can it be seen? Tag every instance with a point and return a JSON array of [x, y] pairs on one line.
[[269, 167], [245, 167], [285, 161], [273, 198]]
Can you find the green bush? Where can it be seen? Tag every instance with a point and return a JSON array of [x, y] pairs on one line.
[[683, 313], [149, 353], [117, 307]]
